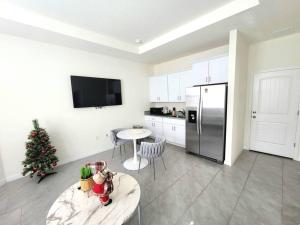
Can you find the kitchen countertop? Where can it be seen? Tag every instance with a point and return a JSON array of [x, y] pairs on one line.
[[147, 113]]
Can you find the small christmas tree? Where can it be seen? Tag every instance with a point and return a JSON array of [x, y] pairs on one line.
[[40, 155]]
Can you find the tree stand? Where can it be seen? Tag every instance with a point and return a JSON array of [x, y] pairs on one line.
[[46, 175]]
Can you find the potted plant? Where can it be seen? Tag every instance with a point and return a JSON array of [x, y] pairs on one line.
[[86, 180]]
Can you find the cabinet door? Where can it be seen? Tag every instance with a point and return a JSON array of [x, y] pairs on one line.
[[174, 87], [150, 125], [179, 133], [158, 86], [200, 73], [186, 80], [169, 132], [218, 70], [158, 129]]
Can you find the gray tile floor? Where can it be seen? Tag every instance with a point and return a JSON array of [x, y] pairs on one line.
[[258, 190]]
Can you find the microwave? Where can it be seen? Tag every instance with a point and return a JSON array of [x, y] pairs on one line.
[[156, 110]]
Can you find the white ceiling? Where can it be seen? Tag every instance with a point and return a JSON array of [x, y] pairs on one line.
[[125, 20], [168, 28]]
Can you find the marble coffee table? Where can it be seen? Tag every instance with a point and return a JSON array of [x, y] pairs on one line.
[[75, 207]]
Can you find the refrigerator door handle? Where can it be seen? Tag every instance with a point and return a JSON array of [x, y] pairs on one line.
[[200, 116], [197, 116]]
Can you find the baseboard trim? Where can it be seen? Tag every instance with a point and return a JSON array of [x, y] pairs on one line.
[[13, 177], [2, 182]]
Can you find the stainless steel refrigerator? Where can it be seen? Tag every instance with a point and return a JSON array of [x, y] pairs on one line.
[[206, 121]]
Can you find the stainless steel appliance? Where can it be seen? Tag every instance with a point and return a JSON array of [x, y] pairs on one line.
[[206, 121]]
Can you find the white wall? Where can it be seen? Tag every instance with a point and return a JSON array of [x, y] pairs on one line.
[[35, 83], [237, 81], [269, 55], [2, 175]]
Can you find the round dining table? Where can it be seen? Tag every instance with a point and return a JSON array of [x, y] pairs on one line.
[[134, 134]]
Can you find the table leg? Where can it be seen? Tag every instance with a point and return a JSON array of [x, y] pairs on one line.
[[139, 214], [134, 152], [133, 163]]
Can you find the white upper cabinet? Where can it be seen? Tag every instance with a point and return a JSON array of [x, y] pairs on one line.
[[171, 88], [211, 72], [174, 87], [187, 79], [158, 86], [177, 83], [218, 70], [200, 73]]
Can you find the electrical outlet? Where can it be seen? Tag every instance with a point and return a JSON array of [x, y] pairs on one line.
[[97, 137]]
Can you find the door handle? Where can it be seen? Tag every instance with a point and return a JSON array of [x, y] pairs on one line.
[[197, 116], [200, 116]]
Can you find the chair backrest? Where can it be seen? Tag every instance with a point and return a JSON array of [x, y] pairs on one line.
[[113, 135], [152, 150]]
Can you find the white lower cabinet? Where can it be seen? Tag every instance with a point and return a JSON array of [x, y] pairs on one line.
[[171, 128], [174, 131], [154, 124]]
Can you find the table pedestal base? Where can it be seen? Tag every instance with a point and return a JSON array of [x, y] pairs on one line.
[[132, 164]]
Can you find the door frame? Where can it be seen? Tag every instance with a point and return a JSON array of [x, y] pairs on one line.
[[250, 104]]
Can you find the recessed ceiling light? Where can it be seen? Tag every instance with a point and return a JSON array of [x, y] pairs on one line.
[[138, 41]]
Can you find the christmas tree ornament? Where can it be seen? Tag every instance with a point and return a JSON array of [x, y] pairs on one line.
[[37, 158]]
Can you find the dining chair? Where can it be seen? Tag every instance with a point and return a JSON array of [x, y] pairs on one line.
[[152, 150], [117, 142]]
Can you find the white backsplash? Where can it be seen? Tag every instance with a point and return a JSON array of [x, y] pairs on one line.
[[170, 105]]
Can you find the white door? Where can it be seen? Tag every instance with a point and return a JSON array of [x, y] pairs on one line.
[[200, 72], [274, 114], [218, 70], [174, 87]]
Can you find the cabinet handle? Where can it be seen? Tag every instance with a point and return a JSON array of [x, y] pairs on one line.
[[174, 128], [206, 79]]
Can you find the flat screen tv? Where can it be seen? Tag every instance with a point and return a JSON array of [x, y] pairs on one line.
[[95, 92]]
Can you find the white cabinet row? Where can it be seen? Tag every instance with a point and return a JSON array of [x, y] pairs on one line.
[[172, 129], [171, 87]]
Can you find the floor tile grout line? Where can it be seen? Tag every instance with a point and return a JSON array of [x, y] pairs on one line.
[[168, 187], [237, 201], [211, 180]]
